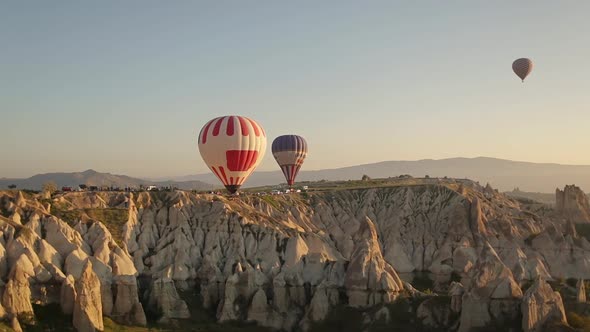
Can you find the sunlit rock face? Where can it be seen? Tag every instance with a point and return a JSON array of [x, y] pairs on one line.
[[283, 261], [541, 306], [573, 203]]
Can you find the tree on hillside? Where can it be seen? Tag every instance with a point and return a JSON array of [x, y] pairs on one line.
[[12, 186], [365, 178], [50, 187]]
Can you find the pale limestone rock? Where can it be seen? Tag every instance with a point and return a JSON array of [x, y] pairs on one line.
[[296, 249], [561, 254], [318, 308], [17, 296], [320, 305], [492, 278], [573, 203], [32, 256], [88, 304], [228, 310], [56, 273], [489, 191], [281, 298], [20, 200], [3, 262], [15, 325], [251, 280], [259, 309], [16, 218], [369, 279], [474, 312], [581, 291], [492, 295], [211, 280], [104, 275], [15, 248], [464, 259], [383, 315], [535, 267], [75, 263], [541, 305], [102, 270], [41, 274], [62, 237], [122, 263], [431, 227], [24, 266], [456, 291], [260, 312], [395, 254], [164, 299], [313, 268], [48, 255], [99, 238], [434, 314], [477, 220], [138, 315], [127, 308], [3, 313], [68, 295]]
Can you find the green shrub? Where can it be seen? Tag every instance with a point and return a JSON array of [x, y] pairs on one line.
[[3, 211], [114, 220], [529, 240], [5, 328], [69, 216], [271, 201], [48, 318], [526, 284], [578, 321], [583, 230], [571, 282], [455, 277], [422, 282], [340, 318]]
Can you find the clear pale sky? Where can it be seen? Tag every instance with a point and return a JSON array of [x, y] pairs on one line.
[[125, 86]]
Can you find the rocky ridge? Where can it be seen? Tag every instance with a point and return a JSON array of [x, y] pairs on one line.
[[282, 261], [573, 203]]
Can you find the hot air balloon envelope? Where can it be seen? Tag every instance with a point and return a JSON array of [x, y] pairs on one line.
[[522, 67], [289, 152], [232, 146]]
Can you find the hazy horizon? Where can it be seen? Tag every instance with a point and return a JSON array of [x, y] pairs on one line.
[[114, 171], [125, 87], [269, 170], [206, 172]]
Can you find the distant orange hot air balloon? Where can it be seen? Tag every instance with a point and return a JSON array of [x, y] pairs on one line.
[[232, 146], [522, 67]]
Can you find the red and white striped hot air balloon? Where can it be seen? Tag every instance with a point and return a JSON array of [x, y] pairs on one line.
[[522, 67], [232, 146]]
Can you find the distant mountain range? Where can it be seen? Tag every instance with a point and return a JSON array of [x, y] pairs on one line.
[[94, 178], [504, 175]]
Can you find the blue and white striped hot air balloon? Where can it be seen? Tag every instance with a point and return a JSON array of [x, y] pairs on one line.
[[289, 152]]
